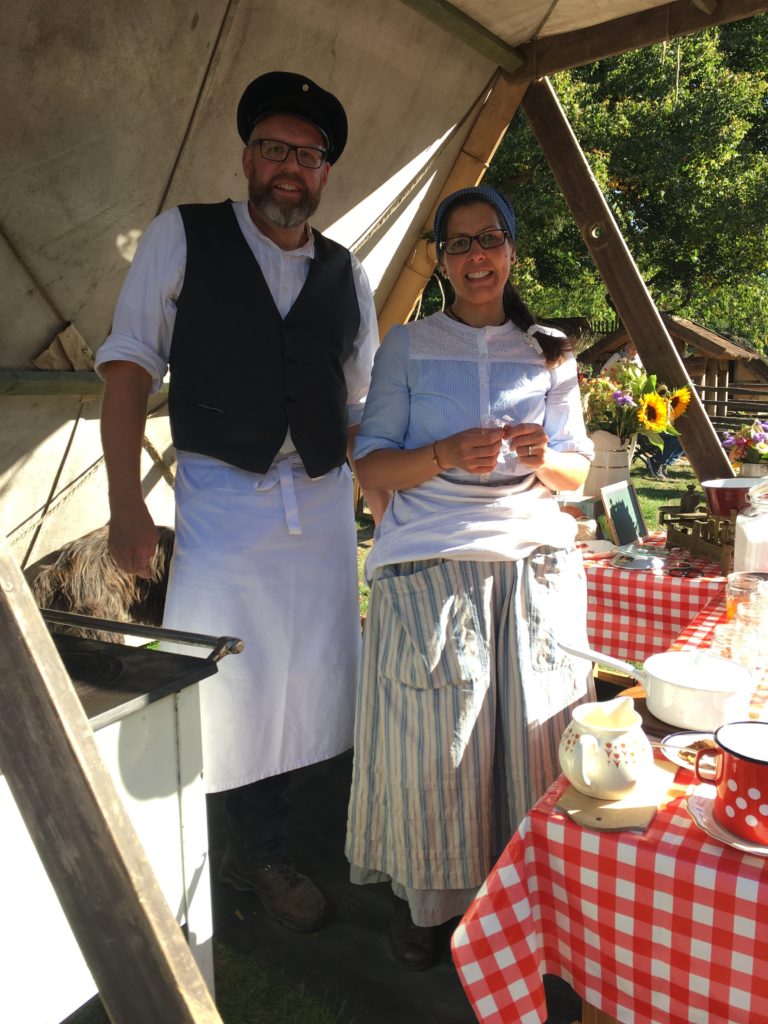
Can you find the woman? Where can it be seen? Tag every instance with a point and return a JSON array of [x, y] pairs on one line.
[[473, 419]]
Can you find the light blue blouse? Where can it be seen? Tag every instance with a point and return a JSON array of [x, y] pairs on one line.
[[435, 377]]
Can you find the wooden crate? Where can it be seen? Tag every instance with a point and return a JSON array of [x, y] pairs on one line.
[[705, 535]]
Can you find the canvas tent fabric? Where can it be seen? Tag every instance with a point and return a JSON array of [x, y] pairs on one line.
[[114, 113]]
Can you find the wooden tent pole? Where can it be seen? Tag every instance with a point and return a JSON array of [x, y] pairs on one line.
[[619, 272], [471, 164], [128, 936]]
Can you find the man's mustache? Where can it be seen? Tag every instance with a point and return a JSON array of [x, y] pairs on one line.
[[287, 179]]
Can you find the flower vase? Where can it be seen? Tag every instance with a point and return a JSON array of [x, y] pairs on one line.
[[613, 458], [754, 469]]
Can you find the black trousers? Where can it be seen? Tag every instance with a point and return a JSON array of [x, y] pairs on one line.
[[256, 820]]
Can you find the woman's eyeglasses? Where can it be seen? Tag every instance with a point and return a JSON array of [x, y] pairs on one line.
[[276, 151], [457, 244]]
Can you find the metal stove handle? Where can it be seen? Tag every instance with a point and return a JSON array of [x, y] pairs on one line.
[[222, 645]]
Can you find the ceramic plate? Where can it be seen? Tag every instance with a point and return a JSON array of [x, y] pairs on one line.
[[700, 804], [628, 561], [597, 548], [673, 745]]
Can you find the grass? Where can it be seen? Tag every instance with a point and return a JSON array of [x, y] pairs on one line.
[[247, 993], [653, 494], [364, 543]]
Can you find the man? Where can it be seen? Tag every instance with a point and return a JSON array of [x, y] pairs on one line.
[[269, 330]]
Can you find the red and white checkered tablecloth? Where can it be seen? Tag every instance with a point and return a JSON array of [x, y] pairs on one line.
[[667, 927], [632, 614], [699, 631]]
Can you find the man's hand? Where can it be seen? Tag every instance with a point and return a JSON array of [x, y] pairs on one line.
[[133, 540]]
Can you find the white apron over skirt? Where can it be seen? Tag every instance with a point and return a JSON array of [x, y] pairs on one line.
[[270, 558]]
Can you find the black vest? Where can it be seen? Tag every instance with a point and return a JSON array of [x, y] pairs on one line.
[[240, 374]]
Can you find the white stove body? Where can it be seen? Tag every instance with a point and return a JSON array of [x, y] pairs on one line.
[[155, 759]]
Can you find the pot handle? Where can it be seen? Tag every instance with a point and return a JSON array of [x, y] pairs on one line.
[[605, 659], [585, 750], [716, 769]]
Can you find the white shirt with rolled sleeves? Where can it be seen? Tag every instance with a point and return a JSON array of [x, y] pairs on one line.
[[269, 557]]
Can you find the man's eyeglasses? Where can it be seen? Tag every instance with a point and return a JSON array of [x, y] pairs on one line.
[[276, 151], [457, 244]]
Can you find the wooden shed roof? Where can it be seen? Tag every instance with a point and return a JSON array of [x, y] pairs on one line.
[[701, 339]]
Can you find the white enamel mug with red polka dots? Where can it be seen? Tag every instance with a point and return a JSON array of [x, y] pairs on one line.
[[741, 776]]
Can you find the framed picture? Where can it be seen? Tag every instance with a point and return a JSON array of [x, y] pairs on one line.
[[622, 512]]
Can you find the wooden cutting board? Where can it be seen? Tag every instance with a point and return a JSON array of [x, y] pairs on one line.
[[634, 812]]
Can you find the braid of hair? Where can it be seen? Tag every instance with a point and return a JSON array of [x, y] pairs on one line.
[[553, 349]]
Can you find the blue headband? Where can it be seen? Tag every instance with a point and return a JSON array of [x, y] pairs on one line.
[[483, 194]]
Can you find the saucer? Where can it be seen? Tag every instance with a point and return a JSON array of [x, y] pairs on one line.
[[681, 747], [700, 806], [597, 548]]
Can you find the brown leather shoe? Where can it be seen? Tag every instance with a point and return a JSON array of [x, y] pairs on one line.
[[288, 897], [412, 946]]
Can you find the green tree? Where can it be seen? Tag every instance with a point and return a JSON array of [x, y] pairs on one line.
[[677, 137]]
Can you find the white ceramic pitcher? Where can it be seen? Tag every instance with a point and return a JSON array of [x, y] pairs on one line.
[[604, 750]]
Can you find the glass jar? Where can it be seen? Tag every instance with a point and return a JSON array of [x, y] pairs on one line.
[[750, 549]]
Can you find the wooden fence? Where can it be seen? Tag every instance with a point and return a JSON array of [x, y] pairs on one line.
[[735, 405]]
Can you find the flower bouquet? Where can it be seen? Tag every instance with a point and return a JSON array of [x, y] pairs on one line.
[[626, 401], [748, 444]]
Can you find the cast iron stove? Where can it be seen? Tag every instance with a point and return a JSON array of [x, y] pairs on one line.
[[113, 680]]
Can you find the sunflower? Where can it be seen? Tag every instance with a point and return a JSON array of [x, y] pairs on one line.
[[679, 401], [652, 412]]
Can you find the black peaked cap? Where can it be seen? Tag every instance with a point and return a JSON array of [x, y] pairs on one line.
[[282, 92]]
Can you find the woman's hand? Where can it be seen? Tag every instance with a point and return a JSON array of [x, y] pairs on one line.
[[559, 471], [530, 442], [475, 450]]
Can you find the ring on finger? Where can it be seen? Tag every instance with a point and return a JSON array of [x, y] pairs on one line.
[[530, 450]]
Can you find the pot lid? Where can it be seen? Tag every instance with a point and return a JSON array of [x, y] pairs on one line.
[[698, 670]]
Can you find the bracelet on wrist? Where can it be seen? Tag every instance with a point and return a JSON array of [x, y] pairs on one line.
[[435, 460]]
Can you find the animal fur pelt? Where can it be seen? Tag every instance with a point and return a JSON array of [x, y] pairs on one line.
[[82, 577]]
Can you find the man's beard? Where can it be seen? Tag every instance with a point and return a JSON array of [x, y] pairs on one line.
[[287, 213]]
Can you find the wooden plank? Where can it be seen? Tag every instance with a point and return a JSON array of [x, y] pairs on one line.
[[471, 164], [591, 1015], [468, 31], [16, 383], [50, 382], [620, 274], [549, 54], [742, 389], [128, 936]]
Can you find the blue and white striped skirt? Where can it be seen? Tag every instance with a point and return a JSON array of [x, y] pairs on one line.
[[462, 698]]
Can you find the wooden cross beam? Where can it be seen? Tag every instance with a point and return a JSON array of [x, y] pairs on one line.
[[619, 271]]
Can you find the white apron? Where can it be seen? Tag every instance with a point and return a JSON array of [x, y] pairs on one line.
[[271, 559]]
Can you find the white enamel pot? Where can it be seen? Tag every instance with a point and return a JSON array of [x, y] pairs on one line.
[[689, 689]]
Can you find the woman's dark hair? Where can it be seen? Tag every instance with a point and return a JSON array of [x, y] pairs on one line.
[[553, 349]]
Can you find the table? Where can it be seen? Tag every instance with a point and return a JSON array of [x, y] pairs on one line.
[[632, 614], [667, 927]]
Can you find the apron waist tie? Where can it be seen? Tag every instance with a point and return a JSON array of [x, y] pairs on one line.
[[290, 506]]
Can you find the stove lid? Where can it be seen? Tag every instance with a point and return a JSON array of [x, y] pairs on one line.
[[113, 681]]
